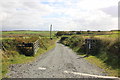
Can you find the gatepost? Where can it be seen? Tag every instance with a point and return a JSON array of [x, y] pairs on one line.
[[90, 45]]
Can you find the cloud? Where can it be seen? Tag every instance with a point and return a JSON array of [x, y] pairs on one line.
[[112, 10], [63, 14]]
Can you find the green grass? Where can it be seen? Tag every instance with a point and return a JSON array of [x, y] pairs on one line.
[[24, 32], [100, 63], [110, 71], [115, 31], [104, 54], [112, 35], [17, 58], [43, 33]]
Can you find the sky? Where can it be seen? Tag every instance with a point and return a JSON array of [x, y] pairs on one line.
[[64, 15]]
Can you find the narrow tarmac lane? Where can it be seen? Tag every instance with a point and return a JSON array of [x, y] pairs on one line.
[[60, 62]]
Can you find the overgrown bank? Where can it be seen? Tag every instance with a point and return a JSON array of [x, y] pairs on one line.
[[105, 54], [13, 56]]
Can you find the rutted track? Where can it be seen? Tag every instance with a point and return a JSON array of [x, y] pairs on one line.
[[60, 62]]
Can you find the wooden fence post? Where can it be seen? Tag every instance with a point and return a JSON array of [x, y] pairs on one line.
[[35, 46]]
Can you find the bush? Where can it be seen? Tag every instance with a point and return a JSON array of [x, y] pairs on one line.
[[73, 42], [9, 44]]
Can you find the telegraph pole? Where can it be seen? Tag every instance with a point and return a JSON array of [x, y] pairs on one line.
[[51, 31]]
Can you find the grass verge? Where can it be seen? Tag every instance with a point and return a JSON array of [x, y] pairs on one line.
[[104, 54], [107, 69], [18, 59]]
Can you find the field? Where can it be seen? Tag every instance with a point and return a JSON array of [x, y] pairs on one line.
[[15, 34], [105, 55]]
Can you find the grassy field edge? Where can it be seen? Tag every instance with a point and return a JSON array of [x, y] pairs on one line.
[[107, 69], [104, 55], [22, 59]]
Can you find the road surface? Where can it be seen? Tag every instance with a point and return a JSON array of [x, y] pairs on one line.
[[60, 62]]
